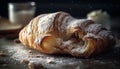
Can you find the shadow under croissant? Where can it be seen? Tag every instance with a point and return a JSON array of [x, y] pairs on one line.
[[109, 54]]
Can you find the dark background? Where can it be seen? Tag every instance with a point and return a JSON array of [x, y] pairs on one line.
[[77, 8]]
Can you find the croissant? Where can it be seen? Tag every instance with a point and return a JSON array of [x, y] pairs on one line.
[[60, 33]]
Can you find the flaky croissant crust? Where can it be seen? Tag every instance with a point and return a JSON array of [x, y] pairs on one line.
[[60, 33]]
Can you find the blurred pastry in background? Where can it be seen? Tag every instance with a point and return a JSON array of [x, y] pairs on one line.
[[101, 17]]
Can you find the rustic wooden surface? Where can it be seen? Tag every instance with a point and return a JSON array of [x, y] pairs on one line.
[[17, 56]]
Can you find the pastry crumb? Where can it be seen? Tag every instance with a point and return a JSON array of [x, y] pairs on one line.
[[16, 40], [2, 54], [30, 51], [24, 61], [35, 66], [49, 61]]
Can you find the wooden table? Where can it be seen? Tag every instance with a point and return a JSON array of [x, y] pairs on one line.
[[17, 56]]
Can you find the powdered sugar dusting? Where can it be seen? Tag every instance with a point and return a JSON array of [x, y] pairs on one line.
[[91, 35], [67, 20], [45, 22], [78, 50], [94, 28], [40, 38], [82, 23], [73, 24], [105, 33], [29, 29], [67, 43]]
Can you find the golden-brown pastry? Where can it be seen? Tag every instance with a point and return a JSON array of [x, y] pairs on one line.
[[60, 33]]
